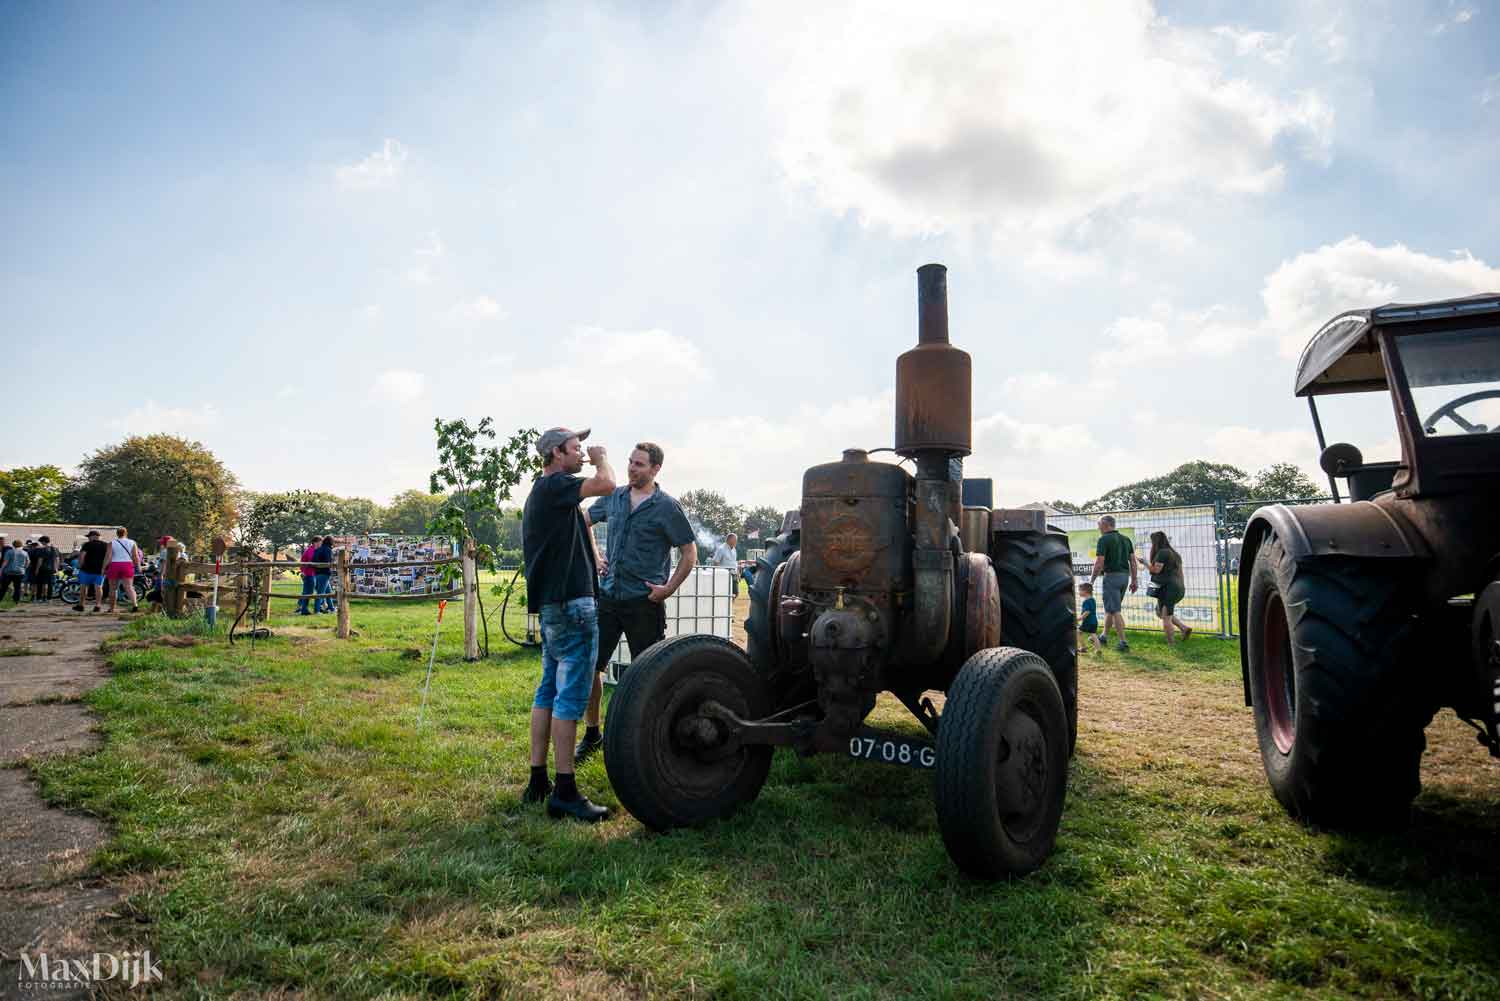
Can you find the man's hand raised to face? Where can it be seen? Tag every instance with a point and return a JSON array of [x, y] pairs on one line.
[[596, 454]]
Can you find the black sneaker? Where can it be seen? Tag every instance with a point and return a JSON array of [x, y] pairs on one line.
[[78, 607], [537, 793], [578, 809], [586, 747]]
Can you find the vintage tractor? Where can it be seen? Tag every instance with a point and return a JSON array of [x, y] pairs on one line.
[[1360, 620], [885, 582]]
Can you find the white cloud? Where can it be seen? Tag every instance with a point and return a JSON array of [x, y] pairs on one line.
[[1311, 288], [400, 385], [381, 169], [1461, 16], [1491, 91], [153, 418], [370, 312], [431, 247], [1020, 119], [1268, 45], [480, 308], [419, 275]]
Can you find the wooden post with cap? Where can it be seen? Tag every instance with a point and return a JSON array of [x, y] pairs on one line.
[[471, 603], [341, 557]]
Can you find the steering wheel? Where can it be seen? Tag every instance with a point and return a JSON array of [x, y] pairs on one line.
[[1448, 410]]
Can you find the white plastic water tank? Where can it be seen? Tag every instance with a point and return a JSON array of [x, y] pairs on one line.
[[704, 604]]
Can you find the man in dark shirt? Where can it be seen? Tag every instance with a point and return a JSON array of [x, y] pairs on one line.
[[645, 522], [1116, 563], [324, 555], [560, 573], [43, 566], [92, 556]]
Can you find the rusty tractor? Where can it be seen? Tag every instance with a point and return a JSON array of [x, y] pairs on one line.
[[1360, 620], [883, 581]]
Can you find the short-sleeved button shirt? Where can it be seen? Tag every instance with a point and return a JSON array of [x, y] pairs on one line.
[[640, 542], [554, 540], [1116, 549]]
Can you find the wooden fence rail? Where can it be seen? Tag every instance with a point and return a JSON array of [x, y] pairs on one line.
[[178, 573]]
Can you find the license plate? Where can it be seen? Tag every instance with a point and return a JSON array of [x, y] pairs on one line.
[[892, 749]]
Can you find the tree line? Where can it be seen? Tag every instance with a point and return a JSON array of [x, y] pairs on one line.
[[163, 484]]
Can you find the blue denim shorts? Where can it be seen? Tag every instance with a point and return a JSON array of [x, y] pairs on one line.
[[90, 579], [570, 643]]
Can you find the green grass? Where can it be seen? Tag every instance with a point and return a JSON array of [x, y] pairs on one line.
[[287, 826]]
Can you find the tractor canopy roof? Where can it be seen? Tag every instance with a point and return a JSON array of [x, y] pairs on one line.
[[1344, 357]]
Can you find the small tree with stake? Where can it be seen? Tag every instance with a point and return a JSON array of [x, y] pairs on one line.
[[478, 476]]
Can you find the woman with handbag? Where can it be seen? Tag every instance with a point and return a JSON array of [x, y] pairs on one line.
[[1167, 585]]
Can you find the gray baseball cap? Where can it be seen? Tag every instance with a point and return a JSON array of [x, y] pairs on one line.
[[555, 437]]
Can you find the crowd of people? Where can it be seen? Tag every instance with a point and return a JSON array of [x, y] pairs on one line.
[[1116, 562], [106, 571]]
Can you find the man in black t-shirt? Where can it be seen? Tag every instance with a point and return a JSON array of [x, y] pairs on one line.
[[560, 575], [92, 556]]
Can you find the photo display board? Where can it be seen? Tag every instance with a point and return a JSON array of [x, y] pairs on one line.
[[396, 549]]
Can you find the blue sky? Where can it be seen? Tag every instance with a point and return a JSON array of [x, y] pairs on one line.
[[298, 233]]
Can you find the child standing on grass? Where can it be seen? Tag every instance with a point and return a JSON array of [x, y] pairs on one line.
[[1088, 622]]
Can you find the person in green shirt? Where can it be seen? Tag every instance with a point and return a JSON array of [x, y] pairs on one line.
[[1166, 573], [1115, 562]]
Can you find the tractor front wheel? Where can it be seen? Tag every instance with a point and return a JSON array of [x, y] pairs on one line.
[[1340, 735], [1002, 764], [672, 764]]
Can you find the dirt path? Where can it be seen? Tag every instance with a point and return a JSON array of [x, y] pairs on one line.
[[49, 659]]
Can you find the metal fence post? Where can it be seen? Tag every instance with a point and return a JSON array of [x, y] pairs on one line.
[[1221, 533]]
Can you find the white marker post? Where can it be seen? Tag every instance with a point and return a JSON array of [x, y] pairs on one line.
[[432, 657]]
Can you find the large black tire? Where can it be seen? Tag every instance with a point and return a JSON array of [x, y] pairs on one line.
[[1002, 764], [1035, 570], [782, 683], [70, 591], [1339, 727], [660, 780]]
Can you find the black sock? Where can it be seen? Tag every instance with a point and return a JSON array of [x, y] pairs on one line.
[[538, 776], [591, 733], [566, 790]]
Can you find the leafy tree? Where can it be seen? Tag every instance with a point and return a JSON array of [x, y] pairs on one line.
[[1062, 505], [356, 515], [154, 485], [764, 519], [479, 477], [709, 510], [410, 512], [257, 515], [32, 493], [305, 512], [508, 528], [1190, 483], [1283, 481]]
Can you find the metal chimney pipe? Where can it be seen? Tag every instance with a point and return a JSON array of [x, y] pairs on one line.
[[932, 304]]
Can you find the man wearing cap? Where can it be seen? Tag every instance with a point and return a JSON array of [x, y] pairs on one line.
[[560, 575], [645, 522], [92, 556]]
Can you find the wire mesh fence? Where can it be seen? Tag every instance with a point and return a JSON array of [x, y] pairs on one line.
[[1206, 536]]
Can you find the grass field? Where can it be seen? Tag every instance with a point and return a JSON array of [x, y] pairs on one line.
[[282, 825]]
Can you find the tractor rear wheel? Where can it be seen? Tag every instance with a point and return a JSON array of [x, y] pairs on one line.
[[1340, 733], [670, 765], [1035, 570], [759, 636], [1002, 764]]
